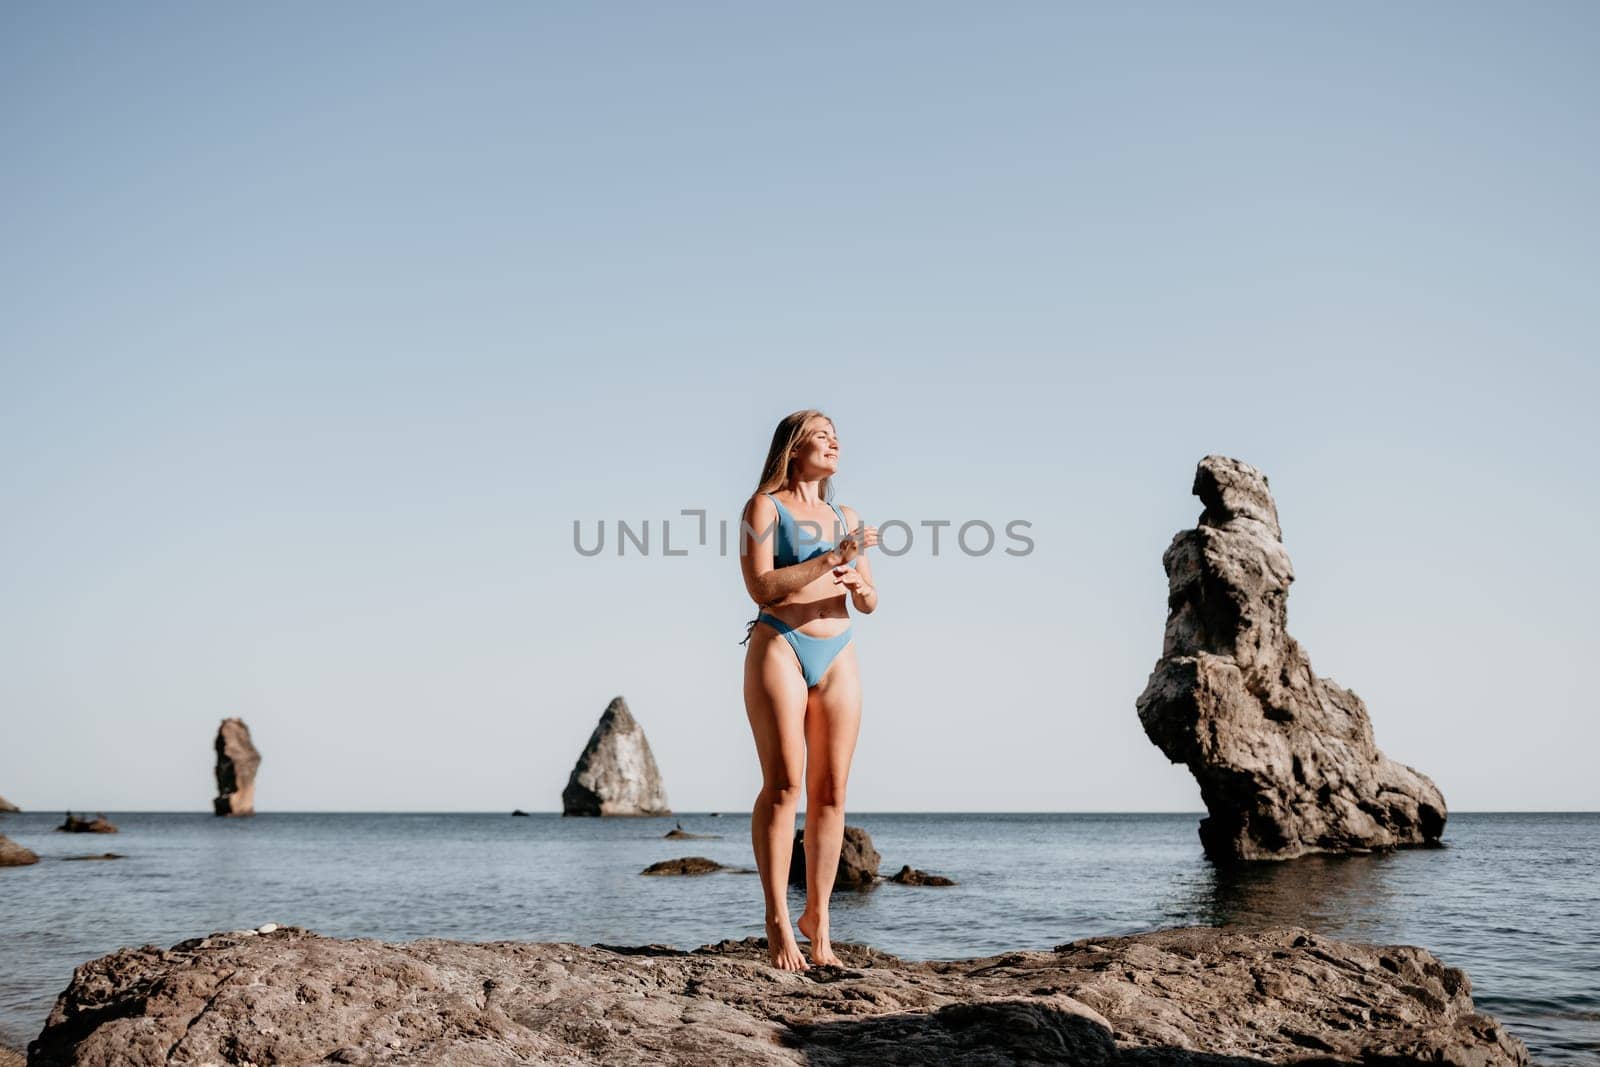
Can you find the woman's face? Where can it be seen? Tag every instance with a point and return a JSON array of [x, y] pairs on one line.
[[818, 450]]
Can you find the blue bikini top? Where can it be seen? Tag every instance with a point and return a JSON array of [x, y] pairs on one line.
[[788, 549]]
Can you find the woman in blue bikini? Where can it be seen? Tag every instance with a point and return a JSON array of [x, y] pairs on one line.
[[802, 558]]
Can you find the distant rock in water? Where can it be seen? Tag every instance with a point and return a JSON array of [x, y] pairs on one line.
[[97, 825], [1186, 996], [101, 856], [520, 812], [6, 806], [237, 760], [14, 855], [1285, 760], [616, 775], [678, 833], [909, 875], [858, 860], [684, 865]]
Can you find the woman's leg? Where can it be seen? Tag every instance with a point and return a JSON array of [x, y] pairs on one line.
[[833, 720], [775, 700]]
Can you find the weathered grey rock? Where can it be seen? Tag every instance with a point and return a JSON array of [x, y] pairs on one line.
[[616, 775], [1285, 760], [684, 865], [6, 806], [237, 762], [858, 860], [1171, 997], [14, 855], [97, 825], [909, 875]]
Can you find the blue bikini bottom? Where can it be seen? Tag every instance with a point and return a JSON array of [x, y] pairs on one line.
[[814, 653]]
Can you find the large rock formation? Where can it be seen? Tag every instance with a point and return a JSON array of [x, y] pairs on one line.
[[1173, 997], [616, 775], [14, 855], [7, 806], [237, 760], [1285, 760]]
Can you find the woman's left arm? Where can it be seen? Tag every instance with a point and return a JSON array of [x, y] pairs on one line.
[[863, 591]]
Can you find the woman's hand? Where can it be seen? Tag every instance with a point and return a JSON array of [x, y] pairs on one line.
[[859, 540], [862, 594]]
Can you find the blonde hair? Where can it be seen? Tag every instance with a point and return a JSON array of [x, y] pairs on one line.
[[780, 456], [780, 460]]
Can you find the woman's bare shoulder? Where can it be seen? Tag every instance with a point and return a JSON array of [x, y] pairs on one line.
[[760, 508]]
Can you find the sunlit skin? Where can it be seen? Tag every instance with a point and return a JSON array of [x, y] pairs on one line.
[[798, 728]]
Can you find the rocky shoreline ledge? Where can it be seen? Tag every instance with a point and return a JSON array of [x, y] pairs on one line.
[[1194, 995]]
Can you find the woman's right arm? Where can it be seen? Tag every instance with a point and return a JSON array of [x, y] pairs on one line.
[[767, 583]]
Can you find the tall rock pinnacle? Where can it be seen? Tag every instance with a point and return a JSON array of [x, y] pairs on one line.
[[1285, 760], [237, 760]]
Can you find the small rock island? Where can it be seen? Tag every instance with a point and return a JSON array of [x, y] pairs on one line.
[[616, 774]]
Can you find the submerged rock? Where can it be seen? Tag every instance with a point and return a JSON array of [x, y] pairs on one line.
[[684, 865], [237, 761], [1285, 760], [909, 875], [858, 860], [14, 855], [1183, 996], [97, 825], [617, 774]]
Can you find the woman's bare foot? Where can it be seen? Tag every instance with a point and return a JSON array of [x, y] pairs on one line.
[[782, 948], [815, 928]]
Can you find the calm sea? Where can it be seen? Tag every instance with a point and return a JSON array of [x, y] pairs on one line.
[[1513, 899]]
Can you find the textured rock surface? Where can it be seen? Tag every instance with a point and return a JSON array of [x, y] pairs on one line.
[[1285, 760], [1185, 996], [237, 761], [6, 805], [858, 860], [616, 775], [14, 855]]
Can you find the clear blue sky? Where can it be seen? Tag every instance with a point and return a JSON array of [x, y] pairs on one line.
[[324, 322]]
